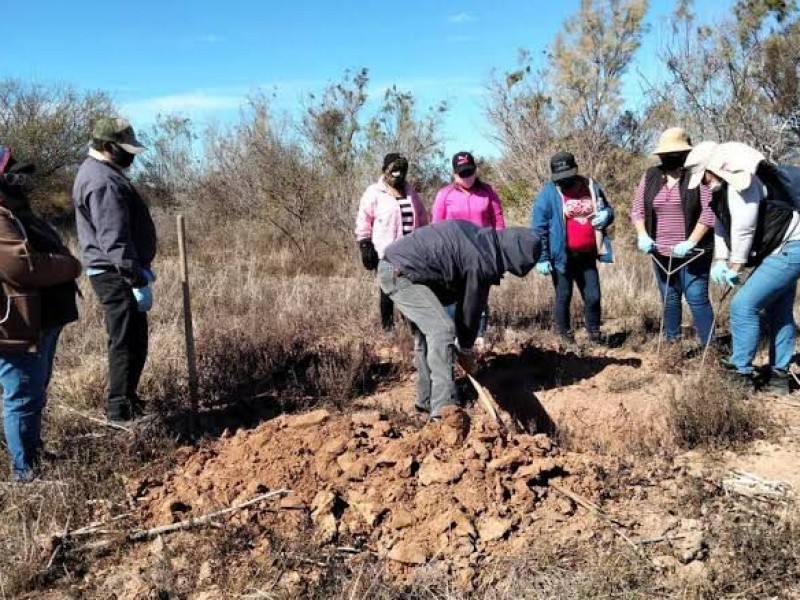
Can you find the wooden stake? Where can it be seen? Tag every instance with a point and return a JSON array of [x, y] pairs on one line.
[[188, 327]]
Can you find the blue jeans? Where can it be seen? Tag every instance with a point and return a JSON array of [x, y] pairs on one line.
[[692, 283], [770, 290], [581, 270], [434, 338], [25, 377]]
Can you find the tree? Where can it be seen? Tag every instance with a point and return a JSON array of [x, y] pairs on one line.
[[50, 127], [170, 166], [571, 98], [397, 128], [737, 79]]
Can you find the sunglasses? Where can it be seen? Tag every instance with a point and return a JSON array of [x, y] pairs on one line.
[[467, 172]]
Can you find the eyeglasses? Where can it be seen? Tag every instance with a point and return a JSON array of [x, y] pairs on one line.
[[467, 172]]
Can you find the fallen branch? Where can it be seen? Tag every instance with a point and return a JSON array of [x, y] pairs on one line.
[[662, 538], [205, 519], [105, 423], [593, 508]]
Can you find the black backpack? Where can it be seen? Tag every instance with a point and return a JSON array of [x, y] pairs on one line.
[[782, 182]]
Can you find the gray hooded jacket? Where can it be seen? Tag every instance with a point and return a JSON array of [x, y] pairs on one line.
[[460, 262]]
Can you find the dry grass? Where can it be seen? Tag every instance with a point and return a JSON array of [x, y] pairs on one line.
[[709, 410], [278, 331]]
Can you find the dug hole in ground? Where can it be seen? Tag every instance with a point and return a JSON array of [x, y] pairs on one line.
[[600, 471]]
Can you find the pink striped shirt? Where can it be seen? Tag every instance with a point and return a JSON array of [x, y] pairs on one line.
[[671, 228]]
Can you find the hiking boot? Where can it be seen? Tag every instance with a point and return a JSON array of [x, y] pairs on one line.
[[597, 337], [745, 380], [567, 337], [779, 384]]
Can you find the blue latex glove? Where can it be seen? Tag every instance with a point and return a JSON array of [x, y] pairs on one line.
[[645, 243], [600, 219], [682, 249], [144, 297], [544, 268], [721, 274]]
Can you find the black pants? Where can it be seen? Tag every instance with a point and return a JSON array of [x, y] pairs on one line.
[[387, 312], [127, 343], [581, 270]]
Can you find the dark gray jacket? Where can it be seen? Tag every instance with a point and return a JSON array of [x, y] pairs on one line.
[[460, 262], [115, 228]]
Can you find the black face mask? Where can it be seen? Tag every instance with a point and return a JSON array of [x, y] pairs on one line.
[[120, 157], [396, 176], [15, 187], [569, 182], [673, 162]]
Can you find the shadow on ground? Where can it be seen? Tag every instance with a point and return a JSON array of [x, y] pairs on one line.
[[514, 379]]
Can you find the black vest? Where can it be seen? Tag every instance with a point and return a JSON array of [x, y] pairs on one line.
[[774, 218], [654, 180]]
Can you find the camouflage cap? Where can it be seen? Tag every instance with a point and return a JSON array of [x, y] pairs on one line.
[[118, 131]]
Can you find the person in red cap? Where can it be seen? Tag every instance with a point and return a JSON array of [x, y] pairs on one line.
[[469, 198], [37, 299]]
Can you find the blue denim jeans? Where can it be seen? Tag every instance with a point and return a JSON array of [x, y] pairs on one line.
[[434, 338], [770, 290], [25, 377], [690, 282]]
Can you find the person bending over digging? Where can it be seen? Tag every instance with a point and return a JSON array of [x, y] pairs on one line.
[[452, 262], [758, 225]]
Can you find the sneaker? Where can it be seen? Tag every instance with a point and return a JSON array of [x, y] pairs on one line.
[[597, 337], [567, 337], [23, 477], [779, 384], [746, 380]]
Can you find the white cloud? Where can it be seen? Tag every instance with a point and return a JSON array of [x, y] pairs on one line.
[[192, 104], [462, 17]]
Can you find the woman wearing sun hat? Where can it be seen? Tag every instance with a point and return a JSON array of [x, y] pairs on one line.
[[674, 222], [755, 227]]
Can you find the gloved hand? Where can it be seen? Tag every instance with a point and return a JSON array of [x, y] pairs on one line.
[[544, 268], [600, 219], [682, 249], [144, 297], [721, 274], [645, 243], [149, 274], [369, 256], [467, 360]]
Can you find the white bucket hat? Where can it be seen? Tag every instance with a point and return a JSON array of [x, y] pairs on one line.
[[697, 162], [733, 162]]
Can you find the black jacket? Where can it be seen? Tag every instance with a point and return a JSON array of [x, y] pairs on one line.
[[460, 261]]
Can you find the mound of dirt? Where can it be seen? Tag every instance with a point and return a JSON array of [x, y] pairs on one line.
[[457, 493]]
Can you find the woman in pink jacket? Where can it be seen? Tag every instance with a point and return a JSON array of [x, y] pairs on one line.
[[388, 210], [469, 199]]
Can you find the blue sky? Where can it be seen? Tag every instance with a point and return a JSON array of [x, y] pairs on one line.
[[202, 58]]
